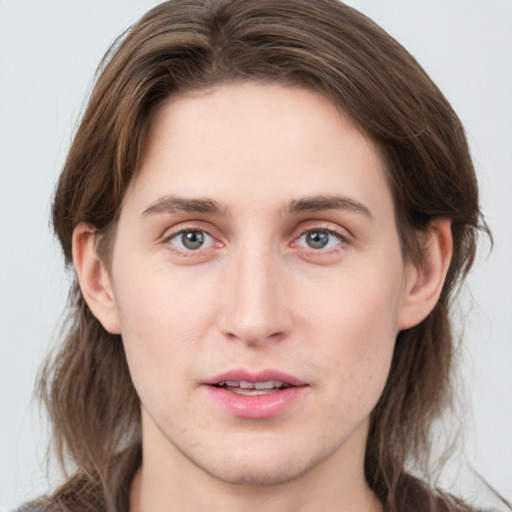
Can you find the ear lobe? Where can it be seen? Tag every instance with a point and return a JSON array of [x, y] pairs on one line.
[[93, 278], [424, 282]]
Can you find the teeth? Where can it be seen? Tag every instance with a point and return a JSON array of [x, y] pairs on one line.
[[243, 384], [269, 384], [252, 392]]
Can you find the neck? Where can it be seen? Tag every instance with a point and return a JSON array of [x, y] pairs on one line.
[[170, 481], [283, 498]]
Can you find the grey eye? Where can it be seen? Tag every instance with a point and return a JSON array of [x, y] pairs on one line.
[[191, 240], [319, 239]]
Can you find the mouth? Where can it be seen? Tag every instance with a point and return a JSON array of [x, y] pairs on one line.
[[256, 395], [247, 388], [245, 382]]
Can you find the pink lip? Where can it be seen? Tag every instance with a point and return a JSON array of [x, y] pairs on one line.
[[256, 376], [256, 406]]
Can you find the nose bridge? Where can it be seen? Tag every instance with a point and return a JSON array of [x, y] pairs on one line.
[[255, 307]]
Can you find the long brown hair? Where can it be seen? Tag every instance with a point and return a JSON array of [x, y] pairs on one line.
[[320, 44]]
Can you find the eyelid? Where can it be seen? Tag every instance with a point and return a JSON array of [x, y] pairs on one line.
[[344, 236], [331, 234], [207, 242], [342, 233], [184, 227]]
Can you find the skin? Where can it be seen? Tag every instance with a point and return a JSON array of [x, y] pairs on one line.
[[256, 295]]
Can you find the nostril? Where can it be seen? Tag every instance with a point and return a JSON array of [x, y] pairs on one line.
[[253, 336]]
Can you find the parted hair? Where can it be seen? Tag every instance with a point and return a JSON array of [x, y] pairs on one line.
[[324, 45]]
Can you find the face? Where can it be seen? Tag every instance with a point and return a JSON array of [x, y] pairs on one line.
[[258, 283]]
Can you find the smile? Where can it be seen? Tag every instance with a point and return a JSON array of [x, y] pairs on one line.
[[264, 394]]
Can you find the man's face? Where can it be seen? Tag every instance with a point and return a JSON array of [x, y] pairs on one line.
[[258, 282]]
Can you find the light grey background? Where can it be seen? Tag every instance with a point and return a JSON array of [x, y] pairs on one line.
[[49, 51]]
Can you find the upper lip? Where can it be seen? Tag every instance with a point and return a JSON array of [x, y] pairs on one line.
[[242, 374]]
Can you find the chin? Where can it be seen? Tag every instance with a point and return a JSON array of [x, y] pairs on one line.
[[259, 467], [260, 476]]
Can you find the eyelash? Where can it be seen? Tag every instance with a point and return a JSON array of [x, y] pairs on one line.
[[189, 252], [343, 240]]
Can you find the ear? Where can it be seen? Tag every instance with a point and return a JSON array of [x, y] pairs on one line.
[[424, 282], [93, 278]]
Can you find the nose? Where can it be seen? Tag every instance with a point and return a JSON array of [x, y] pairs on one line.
[[255, 307]]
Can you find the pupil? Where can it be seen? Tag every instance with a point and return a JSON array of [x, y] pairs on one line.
[[317, 239], [192, 239]]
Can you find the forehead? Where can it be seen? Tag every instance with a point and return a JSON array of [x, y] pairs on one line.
[[270, 142]]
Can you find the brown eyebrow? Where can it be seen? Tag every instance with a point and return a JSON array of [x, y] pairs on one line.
[[171, 204], [318, 203]]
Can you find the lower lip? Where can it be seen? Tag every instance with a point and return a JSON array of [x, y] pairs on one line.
[[256, 406]]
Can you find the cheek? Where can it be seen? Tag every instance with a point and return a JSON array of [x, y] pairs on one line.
[[360, 307], [163, 318], [354, 324], [158, 301]]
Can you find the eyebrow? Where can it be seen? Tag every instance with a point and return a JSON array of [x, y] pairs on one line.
[[171, 204], [319, 203]]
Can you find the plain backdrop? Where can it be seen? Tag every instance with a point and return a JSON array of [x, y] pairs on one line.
[[49, 50]]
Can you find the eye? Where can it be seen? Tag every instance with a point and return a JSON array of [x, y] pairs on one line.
[[319, 239], [191, 240]]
